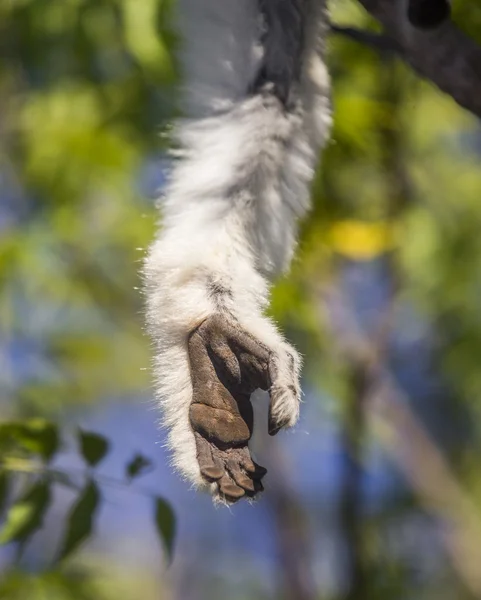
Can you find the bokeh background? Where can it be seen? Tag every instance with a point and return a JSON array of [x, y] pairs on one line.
[[376, 494]]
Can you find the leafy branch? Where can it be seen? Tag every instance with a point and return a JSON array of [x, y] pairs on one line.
[[27, 448]]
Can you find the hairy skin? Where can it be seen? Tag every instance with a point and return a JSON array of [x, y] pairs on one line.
[[256, 112], [228, 364]]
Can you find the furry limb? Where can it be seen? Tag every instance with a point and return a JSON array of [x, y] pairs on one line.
[[249, 144]]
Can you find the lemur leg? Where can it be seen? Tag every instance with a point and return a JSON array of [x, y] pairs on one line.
[[227, 364]]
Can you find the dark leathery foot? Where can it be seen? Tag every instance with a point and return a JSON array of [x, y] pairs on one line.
[[227, 468], [228, 364]]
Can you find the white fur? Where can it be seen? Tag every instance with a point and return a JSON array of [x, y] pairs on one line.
[[237, 188]]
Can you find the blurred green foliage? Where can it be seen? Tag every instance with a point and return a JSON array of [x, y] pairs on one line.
[[27, 480], [85, 88]]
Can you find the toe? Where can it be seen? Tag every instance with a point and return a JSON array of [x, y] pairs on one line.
[[210, 467], [230, 490], [248, 465], [212, 473], [241, 479]]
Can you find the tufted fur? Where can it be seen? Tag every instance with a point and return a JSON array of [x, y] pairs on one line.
[[238, 185]]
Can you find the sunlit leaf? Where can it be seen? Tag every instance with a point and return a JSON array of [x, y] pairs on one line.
[[42, 436], [80, 520], [166, 524], [38, 436], [26, 515], [93, 447], [359, 240]]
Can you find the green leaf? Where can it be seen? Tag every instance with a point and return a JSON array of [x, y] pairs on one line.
[[166, 524], [37, 436], [80, 520], [26, 515], [93, 447], [42, 437], [139, 465]]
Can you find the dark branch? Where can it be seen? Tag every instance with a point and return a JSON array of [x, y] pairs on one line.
[[368, 38], [446, 55]]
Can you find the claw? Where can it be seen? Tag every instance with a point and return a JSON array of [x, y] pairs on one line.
[[258, 485], [275, 425], [259, 472]]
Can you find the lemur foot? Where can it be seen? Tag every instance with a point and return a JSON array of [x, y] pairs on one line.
[[227, 365], [232, 469]]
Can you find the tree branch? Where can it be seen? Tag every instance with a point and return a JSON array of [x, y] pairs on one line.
[[446, 55], [368, 38]]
